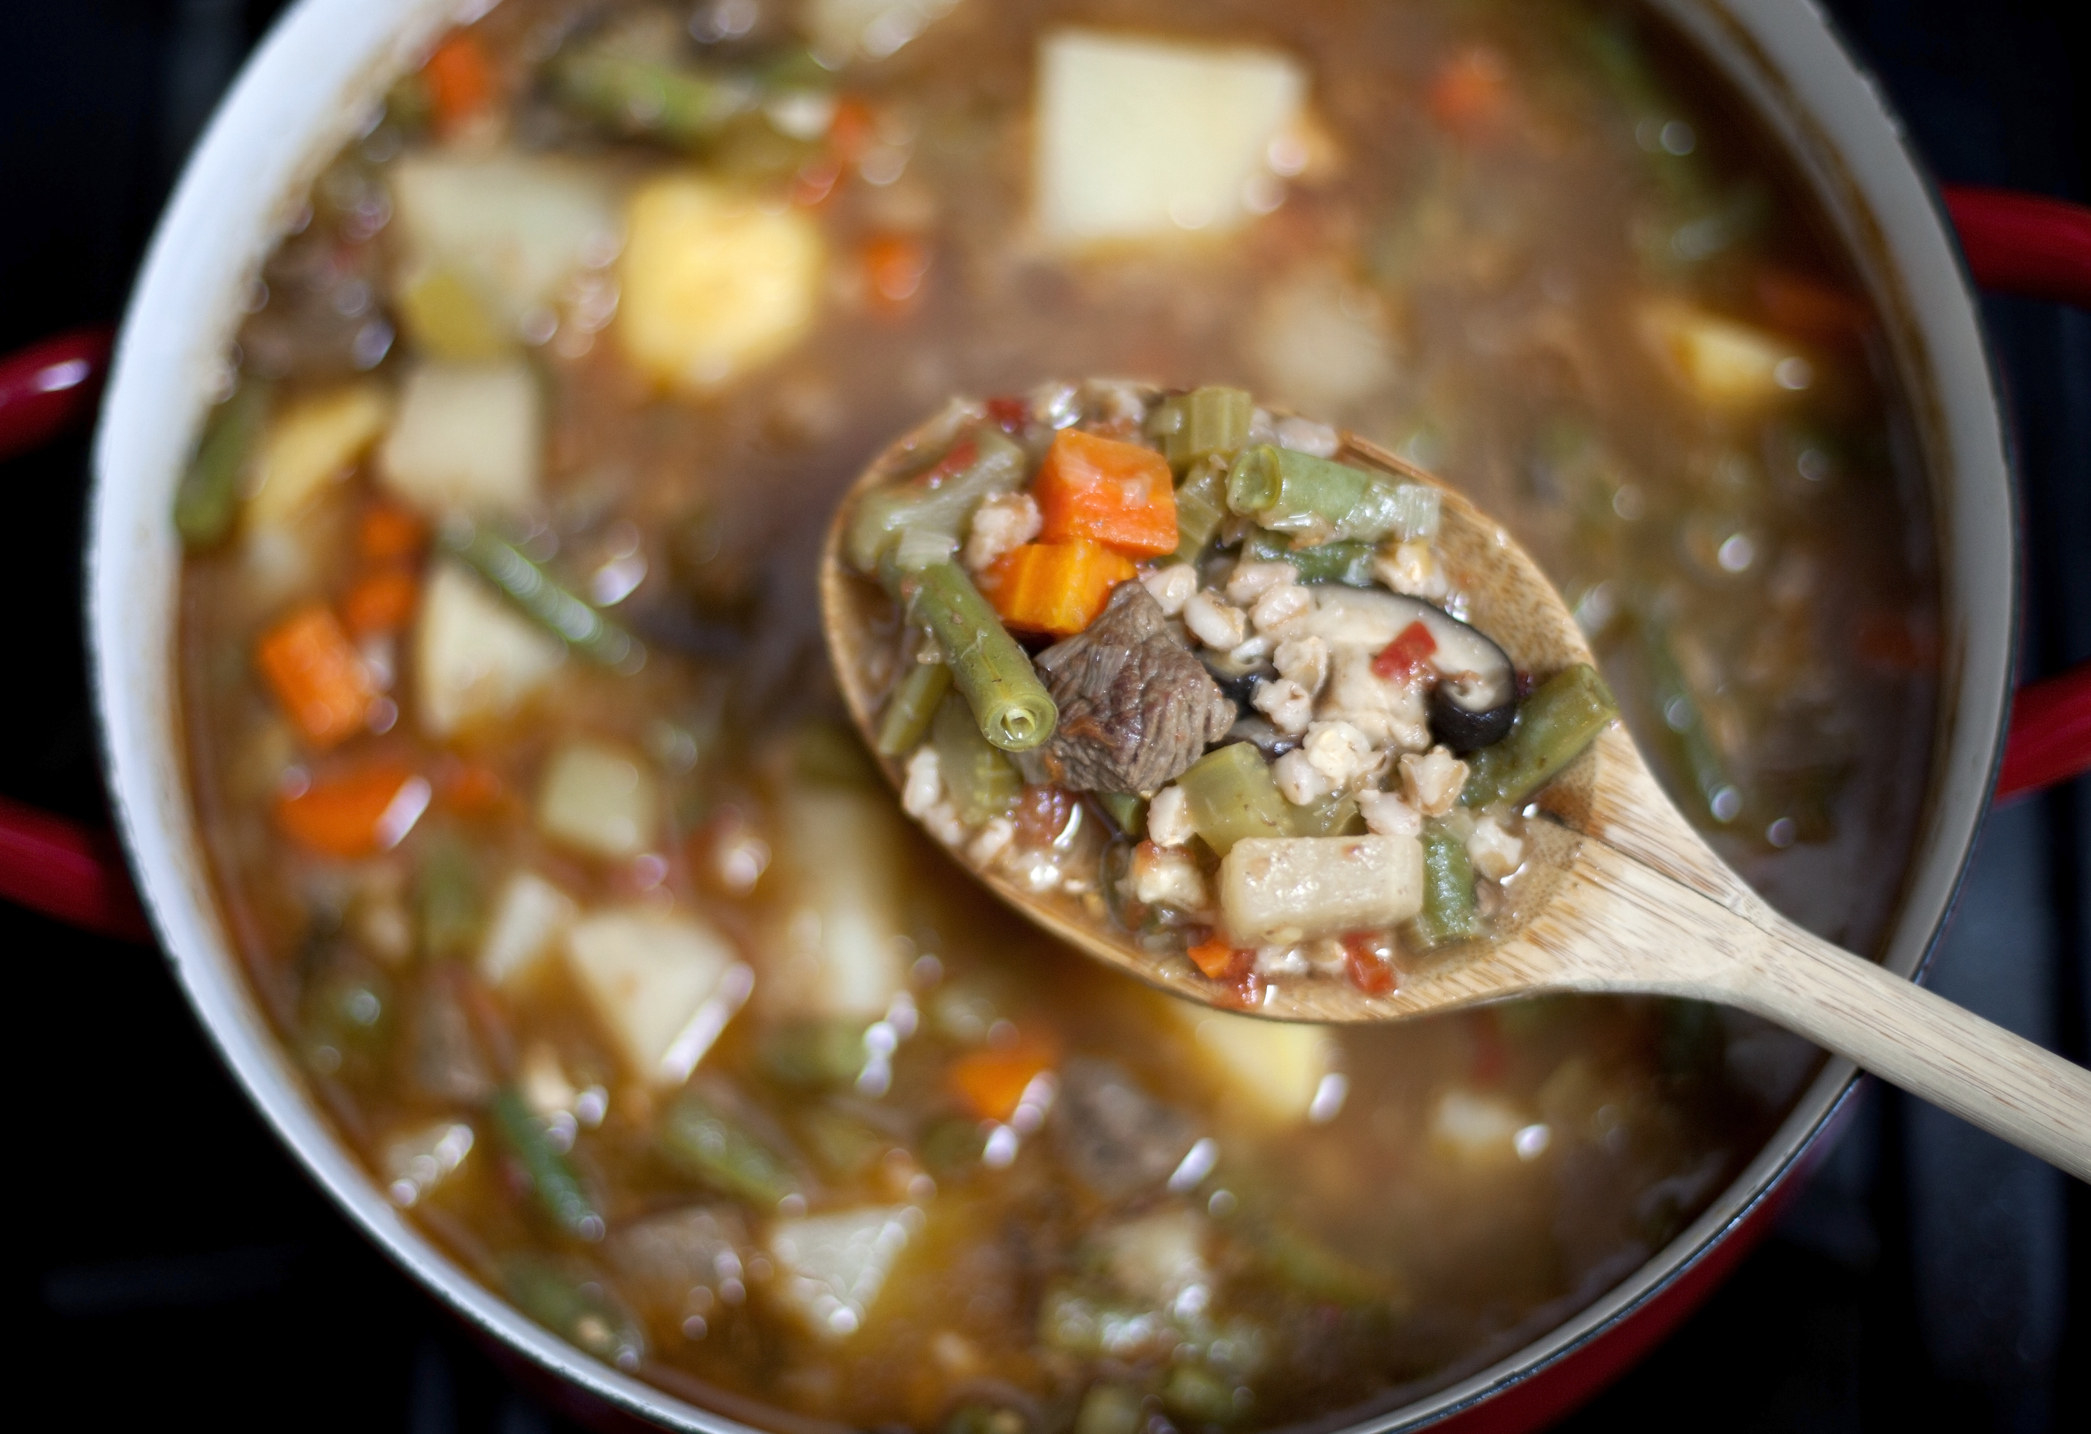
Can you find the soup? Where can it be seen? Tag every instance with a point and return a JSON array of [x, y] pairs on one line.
[[538, 831]]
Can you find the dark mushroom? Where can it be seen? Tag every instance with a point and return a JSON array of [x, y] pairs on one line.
[[1474, 700]]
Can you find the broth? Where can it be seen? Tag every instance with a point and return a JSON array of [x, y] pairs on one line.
[[633, 985]]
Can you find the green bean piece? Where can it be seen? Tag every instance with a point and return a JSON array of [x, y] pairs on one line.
[[638, 97], [208, 501], [1201, 506], [1317, 501], [980, 779], [703, 1141], [1450, 912], [1347, 563], [1214, 424], [1331, 816], [1231, 796], [1554, 725], [912, 707], [575, 1309], [1126, 810], [1010, 704], [927, 520], [1686, 719], [1110, 1409], [554, 1182], [448, 911], [532, 590]]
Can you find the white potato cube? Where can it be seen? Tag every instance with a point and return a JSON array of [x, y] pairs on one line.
[[1279, 890], [831, 1267], [310, 444], [529, 918], [1139, 138], [515, 227], [646, 974], [1269, 1071], [1474, 1128], [834, 947], [468, 438], [846, 30], [598, 799], [714, 283], [476, 660], [1725, 363], [1160, 1258]]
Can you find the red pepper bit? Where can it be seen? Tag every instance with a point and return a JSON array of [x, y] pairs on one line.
[[1371, 959], [1011, 415], [956, 460], [1406, 655]]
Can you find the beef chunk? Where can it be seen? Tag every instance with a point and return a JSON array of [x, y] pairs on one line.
[[1115, 1137], [1136, 706]]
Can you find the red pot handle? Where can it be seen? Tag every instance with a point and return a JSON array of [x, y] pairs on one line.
[[2014, 243]]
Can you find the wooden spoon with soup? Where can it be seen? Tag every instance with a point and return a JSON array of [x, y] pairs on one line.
[[1268, 717]]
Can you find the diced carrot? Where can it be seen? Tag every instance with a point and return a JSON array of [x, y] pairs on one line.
[[389, 533], [852, 130], [990, 1083], [1805, 306], [356, 812], [1057, 588], [1218, 961], [1117, 494], [380, 601], [1471, 93], [1406, 655], [317, 674], [1370, 957], [460, 80], [894, 267], [471, 788]]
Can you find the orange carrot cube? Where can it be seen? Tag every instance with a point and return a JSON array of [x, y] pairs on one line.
[[317, 674], [355, 813], [1109, 492], [990, 1083], [1056, 588]]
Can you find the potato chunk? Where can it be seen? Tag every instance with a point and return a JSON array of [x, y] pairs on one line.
[[1286, 889], [467, 438], [647, 973], [714, 284], [1268, 1071], [475, 660], [1725, 363], [599, 800], [512, 228], [831, 1267], [834, 939], [530, 915], [1140, 138], [310, 444]]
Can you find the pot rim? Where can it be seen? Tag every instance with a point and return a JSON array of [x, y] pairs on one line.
[[312, 77]]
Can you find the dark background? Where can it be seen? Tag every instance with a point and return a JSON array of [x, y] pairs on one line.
[[165, 1255]]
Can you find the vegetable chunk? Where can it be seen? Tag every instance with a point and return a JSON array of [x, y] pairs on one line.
[[834, 944], [714, 284], [310, 444], [833, 1266], [509, 229], [1270, 1070], [599, 800], [1058, 588], [475, 661], [530, 917], [1100, 490], [647, 974], [317, 674], [468, 438], [1287, 889], [1142, 138]]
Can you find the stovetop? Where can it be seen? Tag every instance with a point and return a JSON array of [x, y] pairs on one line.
[[170, 1258]]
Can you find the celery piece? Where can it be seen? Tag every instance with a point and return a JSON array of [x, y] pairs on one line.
[[529, 587], [1213, 423], [1450, 912], [208, 500], [575, 1309], [1126, 810], [1201, 506], [994, 675], [981, 781], [1232, 796], [1560, 718], [911, 708], [1317, 501], [554, 1183], [638, 97], [1347, 563], [926, 521], [1331, 816], [701, 1140]]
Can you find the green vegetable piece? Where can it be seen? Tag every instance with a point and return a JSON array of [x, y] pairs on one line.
[[1686, 720], [919, 523], [575, 1309], [554, 1182], [1317, 501], [1232, 796], [448, 908], [1110, 1409], [1201, 506], [813, 1053], [208, 501], [1126, 810], [1213, 423], [1347, 563], [911, 708], [530, 588], [703, 1141], [1450, 912], [1193, 1392], [1331, 816], [1554, 725], [982, 781], [1012, 707], [668, 103]]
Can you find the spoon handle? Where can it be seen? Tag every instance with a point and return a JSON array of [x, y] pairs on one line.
[[1668, 939]]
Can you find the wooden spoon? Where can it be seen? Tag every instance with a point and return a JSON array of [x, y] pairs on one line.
[[1622, 895]]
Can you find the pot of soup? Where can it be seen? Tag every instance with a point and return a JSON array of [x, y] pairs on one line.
[[470, 439]]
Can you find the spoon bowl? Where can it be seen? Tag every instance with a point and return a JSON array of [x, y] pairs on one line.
[[1620, 894]]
